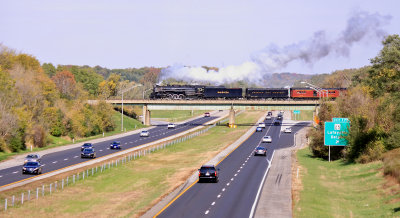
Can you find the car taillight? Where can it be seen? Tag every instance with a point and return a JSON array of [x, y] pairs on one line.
[[199, 173], [215, 173]]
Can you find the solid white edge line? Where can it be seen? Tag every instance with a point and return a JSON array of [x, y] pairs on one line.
[[253, 208]]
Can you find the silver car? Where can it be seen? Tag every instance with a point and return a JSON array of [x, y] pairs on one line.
[[260, 151], [144, 133], [32, 158], [267, 139]]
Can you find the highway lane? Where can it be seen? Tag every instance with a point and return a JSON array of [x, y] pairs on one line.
[[240, 174], [69, 157]]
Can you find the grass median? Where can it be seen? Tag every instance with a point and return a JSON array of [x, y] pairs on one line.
[[175, 116], [133, 188], [338, 189]]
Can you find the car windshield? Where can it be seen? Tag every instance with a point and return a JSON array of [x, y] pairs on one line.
[[31, 156], [115, 143], [267, 137], [205, 169], [144, 131], [32, 164], [87, 145]]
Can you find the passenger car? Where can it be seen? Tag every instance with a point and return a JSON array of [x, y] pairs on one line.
[[260, 151], [208, 172], [144, 133], [262, 125], [32, 168], [171, 126], [268, 117], [86, 145], [32, 158], [269, 113], [277, 123], [288, 130], [115, 145], [207, 114], [88, 152], [267, 139], [259, 129]]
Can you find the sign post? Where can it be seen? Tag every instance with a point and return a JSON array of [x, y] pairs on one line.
[[296, 112], [335, 132]]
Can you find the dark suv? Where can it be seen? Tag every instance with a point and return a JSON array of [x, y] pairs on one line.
[[208, 172], [86, 145], [88, 152]]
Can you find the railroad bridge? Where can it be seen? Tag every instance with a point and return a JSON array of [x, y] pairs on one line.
[[231, 105]]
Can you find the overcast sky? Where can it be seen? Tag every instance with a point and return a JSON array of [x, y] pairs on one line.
[[122, 34]]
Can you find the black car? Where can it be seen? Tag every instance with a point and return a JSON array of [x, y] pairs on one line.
[[86, 145], [260, 151], [277, 123], [208, 172], [269, 113], [88, 152], [115, 145], [32, 168]]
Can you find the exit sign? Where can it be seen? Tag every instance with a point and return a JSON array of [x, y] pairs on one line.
[[335, 132]]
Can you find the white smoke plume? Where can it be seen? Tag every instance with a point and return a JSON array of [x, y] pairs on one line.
[[361, 25]]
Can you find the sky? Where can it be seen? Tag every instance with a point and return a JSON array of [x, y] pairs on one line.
[[229, 34]]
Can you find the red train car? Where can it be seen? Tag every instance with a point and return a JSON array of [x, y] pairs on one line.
[[308, 93]]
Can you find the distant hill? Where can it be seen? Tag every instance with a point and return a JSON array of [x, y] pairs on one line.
[[278, 80]]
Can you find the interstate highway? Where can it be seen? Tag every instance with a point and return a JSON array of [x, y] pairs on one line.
[[240, 176], [69, 157]]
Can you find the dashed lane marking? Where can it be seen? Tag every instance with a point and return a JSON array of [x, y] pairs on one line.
[[75, 156], [54, 162], [15, 172], [218, 196], [213, 203], [66, 159], [207, 212], [223, 189]]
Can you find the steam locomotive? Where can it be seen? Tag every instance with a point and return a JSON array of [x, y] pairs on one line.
[[220, 92]]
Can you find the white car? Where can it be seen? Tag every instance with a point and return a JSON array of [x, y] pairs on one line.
[[144, 133], [267, 139], [262, 125], [268, 117], [171, 126], [288, 130]]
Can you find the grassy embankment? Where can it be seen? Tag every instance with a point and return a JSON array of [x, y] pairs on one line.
[[337, 189], [132, 188], [304, 115], [175, 116], [129, 124]]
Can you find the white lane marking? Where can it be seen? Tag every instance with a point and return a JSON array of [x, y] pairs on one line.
[[108, 148], [235, 174], [1, 176], [126, 143], [227, 184], [75, 156], [223, 189], [231, 179], [241, 167], [66, 159], [253, 208], [100, 150], [16, 172], [238, 171], [218, 196], [213, 203], [130, 142], [54, 162], [207, 212], [43, 165]]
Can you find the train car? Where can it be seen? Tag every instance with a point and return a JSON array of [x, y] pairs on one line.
[[267, 93], [222, 92], [177, 92], [308, 93]]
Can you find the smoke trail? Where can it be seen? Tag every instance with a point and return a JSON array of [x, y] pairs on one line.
[[361, 25]]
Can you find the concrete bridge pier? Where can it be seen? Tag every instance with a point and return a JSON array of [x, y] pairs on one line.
[[146, 115], [231, 116]]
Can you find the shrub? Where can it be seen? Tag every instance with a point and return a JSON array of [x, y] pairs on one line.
[[391, 163]]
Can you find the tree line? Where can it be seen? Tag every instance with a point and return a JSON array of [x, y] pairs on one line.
[[372, 103]]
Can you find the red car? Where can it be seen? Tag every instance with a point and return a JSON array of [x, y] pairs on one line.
[[307, 93]]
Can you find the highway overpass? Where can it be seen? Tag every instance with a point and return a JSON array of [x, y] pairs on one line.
[[232, 105]]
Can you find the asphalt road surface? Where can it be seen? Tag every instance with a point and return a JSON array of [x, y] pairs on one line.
[[240, 177], [62, 159]]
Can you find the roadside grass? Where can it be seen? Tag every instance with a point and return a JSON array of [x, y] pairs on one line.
[[176, 115], [133, 188], [304, 115], [338, 189], [391, 163], [129, 124]]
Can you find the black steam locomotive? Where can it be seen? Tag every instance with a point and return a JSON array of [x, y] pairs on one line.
[[221, 92]]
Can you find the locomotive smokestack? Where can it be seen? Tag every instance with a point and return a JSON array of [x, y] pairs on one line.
[[361, 25]]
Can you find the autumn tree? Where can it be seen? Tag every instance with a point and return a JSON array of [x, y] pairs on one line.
[[65, 82]]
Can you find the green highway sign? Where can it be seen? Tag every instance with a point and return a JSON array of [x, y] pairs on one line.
[[334, 133], [296, 112], [340, 120]]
